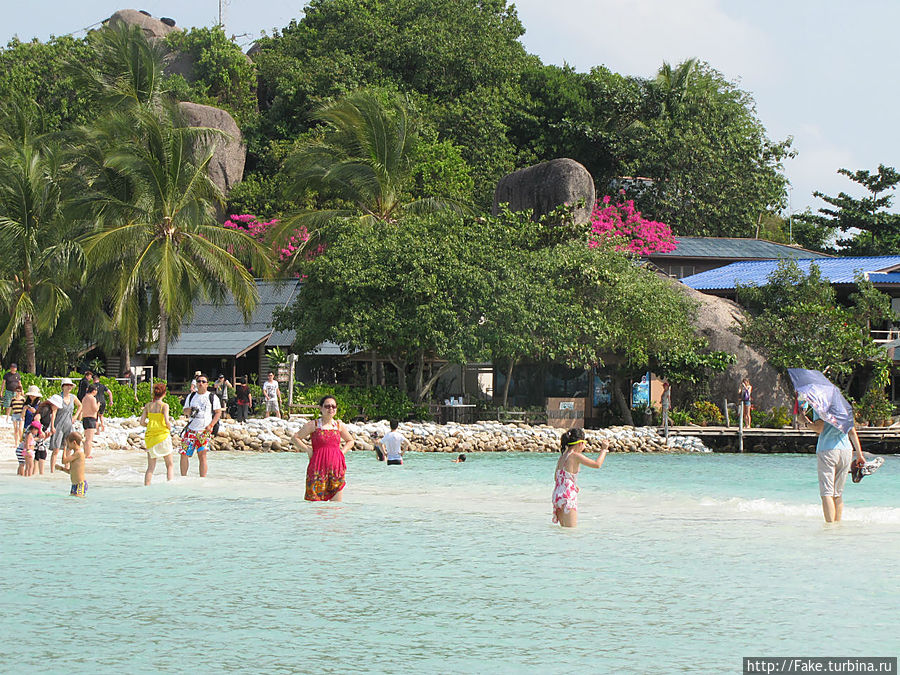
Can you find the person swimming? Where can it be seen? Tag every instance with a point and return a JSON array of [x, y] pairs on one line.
[[565, 489]]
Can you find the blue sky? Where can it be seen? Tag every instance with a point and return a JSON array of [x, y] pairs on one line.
[[820, 71]]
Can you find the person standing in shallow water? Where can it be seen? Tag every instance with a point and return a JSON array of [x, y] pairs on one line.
[[61, 422], [834, 450], [158, 434], [329, 443], [205, 410], [565, 488]]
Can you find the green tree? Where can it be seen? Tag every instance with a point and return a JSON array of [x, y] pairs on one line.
[[797, 321], [589, 117], [879, 229], [811, 234], [453, 289], [219, 73], [712, 169], [38, 71], [162, 236], [410, 293], [155, 243], [39, 261], [364, 161], [459, 62]]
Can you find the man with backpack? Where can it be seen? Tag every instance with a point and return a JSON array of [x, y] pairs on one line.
[[204, 409]]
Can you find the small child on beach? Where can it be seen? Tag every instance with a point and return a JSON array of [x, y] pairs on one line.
[[25, 450], [73, 464], [565, 490], [17, 411]]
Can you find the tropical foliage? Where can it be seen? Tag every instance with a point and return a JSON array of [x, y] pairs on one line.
[[39, 261], [448, 289], [866, 225], [363, 161], [797, 321]]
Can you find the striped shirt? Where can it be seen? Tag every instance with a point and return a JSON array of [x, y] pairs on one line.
[[17, 405]]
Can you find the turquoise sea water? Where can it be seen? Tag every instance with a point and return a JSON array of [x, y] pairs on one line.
[[681, 563]]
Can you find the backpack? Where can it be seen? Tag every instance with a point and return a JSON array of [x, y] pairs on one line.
[[212, 407]]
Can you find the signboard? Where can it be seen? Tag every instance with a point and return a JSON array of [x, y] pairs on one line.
[[602, 391], [640, 392], [565, 413]]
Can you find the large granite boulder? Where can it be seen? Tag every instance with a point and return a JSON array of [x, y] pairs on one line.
[[226, 168], [716, 320], [543, 187], [153, 28]]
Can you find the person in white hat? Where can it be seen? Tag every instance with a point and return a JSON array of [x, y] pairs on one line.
[[65, 407]]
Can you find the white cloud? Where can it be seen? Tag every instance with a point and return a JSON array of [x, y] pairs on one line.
[[815, 168], [635, 37]]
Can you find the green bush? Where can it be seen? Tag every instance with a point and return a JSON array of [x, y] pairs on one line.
[[875, 406], [679, 418], [777, 418], [124, 402], [222, 76], [371, 402], [706, 412]]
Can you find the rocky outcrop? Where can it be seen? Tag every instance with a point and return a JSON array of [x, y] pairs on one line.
[[716, 320], [227, 166], [153, 28], [543, 187]]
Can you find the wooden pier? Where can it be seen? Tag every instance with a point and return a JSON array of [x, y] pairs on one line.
[[879, 440]]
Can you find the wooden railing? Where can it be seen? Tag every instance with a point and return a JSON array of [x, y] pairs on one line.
[[884, 336]]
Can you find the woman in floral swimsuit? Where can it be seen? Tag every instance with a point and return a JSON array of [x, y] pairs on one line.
[[329, 443], [565, 489]]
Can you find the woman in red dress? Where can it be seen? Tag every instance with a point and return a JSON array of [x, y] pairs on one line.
[[329, 442]]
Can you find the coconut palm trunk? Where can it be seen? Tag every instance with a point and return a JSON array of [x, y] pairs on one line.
[[28, 332], [163, 364]]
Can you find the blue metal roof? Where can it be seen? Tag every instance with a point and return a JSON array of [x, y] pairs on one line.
[[888, 278], [735, 248], [835, 270]]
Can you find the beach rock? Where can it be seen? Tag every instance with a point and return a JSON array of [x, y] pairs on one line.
[[153, 28], [274, 435], [226, 168], [543, 187], [716, 320]]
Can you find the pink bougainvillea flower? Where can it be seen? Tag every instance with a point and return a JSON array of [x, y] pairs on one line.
[[622, 220], [258, 229]]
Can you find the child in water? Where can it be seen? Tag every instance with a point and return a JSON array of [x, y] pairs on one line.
[[565, 490], [73, 464], [25, 449]]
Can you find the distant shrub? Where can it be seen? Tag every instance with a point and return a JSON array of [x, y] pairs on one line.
[[370, 402], [679, 418], [706, 412], [777, 418]]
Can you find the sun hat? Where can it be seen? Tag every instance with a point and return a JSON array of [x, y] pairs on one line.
[[36, 424], [66, 381], [56, 400], [33, 391]]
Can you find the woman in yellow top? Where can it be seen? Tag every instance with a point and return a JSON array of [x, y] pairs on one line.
[[157, 437]]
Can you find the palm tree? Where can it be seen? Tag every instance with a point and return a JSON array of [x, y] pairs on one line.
[[153, 202], [128, 71], [674, 84], [363, 161], [39, 261]]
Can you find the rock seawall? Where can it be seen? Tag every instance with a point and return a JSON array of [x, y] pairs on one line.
[[273, 435]]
